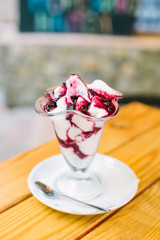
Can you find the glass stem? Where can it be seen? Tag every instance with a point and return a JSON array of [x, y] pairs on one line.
[[81, 174]]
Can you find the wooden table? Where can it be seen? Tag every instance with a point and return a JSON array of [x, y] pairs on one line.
[[134, 138]]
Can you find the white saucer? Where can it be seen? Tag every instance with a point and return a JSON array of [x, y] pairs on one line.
[[120, 181]]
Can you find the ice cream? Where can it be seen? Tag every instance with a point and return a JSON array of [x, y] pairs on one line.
[[95, 100], [78, 112]]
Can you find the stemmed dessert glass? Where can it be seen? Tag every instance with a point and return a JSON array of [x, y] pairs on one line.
[[78, 136]]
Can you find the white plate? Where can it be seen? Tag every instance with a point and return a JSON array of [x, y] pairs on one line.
[[120, 181]]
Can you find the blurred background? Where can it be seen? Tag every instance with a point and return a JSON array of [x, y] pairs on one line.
[[43, 41]]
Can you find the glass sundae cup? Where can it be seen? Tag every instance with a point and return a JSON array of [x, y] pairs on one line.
[[78, 136]]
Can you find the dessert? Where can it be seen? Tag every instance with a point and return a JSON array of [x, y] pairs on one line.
[[95, 100], [78, 112]]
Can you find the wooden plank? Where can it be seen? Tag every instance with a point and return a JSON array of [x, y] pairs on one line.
[[31, 218], [128, 124], [139, 220]]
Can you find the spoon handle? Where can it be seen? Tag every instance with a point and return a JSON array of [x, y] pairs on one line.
[[85, 203]]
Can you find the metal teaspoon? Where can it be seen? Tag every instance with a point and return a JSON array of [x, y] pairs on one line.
[[48, 191]]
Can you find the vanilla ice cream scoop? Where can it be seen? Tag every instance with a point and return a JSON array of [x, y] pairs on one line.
[[103, 89], [76, 87]]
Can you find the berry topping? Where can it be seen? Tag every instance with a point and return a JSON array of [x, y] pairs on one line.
[[52, 104], [92, 92], [47, 108], [74, 99], [96, 99], [107, 102], [84, 109], [71, 107], [111, 109]]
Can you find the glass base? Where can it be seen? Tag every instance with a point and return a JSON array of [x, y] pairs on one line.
[[80, 185]]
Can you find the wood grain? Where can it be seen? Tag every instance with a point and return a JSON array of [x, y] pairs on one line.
[[128, 124], [38, 222], [32, 220], [139, 220]]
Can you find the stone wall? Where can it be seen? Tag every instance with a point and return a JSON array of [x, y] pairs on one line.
[[27, 70], [31, 63]]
